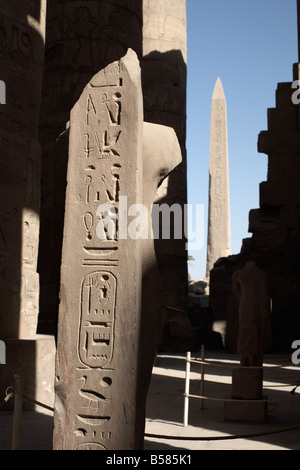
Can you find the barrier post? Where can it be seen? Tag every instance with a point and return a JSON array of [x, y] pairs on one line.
[[18, 405], [187, 389], [202, 375]]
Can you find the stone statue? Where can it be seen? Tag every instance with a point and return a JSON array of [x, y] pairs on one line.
[[254, 335]]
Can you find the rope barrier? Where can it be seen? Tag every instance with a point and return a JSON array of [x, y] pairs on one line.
[[237, 399], [10, 395], [16, 393], [38, 403], [232, 366], [203, 362], [221, 438], [7, 397], [168, 437]]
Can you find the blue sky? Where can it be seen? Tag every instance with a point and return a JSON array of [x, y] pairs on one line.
[[251, 46]]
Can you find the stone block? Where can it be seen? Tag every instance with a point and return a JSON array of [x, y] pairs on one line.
[[284, 93], [278, 141], [283, 118], [262, 220], [279, 193], [247, 246], [290, 217], [275, 240], [218, 274], [284, 167], [272, 265], [251, 412]]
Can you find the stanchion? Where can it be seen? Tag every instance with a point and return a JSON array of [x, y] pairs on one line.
[[18, 405], [187, 389]]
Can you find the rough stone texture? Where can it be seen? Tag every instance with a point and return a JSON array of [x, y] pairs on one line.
[[22, 53], [100, 374], [218, 237], [83, 37], [274, 245], [164, 90]]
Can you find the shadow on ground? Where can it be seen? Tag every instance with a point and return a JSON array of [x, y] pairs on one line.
[[165, 410]]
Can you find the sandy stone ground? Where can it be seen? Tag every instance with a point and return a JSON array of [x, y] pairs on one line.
[[165, 408], [207, 428]]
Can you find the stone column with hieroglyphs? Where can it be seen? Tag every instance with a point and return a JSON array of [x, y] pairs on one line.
[[101, 275], [22, 34], [218, 238]]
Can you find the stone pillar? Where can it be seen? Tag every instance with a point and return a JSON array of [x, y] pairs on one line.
[[109, 268], [101, 277], [22, 33], [22, 29], [218, 238], [83, 37], [164, 90]]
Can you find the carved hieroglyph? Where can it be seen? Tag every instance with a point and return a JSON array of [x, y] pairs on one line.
[[218, 239], [22, 31], [100, 299]]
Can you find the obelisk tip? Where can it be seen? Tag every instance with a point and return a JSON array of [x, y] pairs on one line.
[[218, 93]]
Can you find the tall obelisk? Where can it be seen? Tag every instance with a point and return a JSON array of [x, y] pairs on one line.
[[218, 238]]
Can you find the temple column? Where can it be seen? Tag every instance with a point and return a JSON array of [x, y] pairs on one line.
[[164, 89], [22, 32]]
